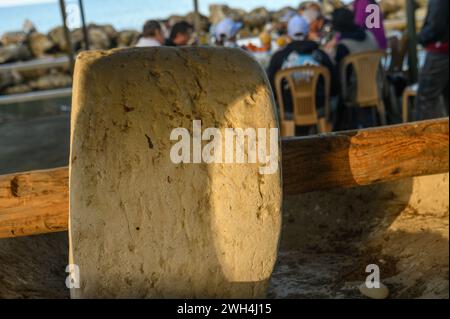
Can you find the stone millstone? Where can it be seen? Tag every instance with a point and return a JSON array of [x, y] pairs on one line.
[[144, 227]]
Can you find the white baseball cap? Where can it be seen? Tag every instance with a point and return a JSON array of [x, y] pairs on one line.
[[298, 28], [228, 28]]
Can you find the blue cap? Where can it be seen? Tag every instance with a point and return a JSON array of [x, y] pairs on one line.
[[298, 28], [228, 28]]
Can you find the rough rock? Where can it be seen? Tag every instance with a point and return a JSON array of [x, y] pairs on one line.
[[127, 38], [17, 89], [58, 37], [394, 9], [40, 44], [29, 75], [276, 16], [51, 81], [98, 39], [257, 18], [10, 78], [13, 38], [375, 293], [109, 30], [220, 12], [330, 5], [13, 52], [204, 21], [77, 39], [390, 7], [197, 236]]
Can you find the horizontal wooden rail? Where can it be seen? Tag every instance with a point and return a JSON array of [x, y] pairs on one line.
[[37, 202], [365, 157]]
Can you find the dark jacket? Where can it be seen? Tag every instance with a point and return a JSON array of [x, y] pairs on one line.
[[169, 43], [302, 47], [435, 28], [358, 35]]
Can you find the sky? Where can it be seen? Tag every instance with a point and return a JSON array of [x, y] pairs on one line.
[[4, 3]]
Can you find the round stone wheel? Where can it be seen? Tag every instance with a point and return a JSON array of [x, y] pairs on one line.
[[142, 226]]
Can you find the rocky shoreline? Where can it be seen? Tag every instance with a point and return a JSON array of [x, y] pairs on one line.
[[19, 46]]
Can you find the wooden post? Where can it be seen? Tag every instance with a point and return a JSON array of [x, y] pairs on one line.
[[38, 202]]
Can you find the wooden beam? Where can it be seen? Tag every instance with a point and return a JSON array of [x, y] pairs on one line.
[[365, 157], [37, 202], [34, 203]]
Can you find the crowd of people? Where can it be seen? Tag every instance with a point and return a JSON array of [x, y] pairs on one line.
[[307, 37]]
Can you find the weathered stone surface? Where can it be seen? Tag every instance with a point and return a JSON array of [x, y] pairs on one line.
[[127, 38], [330, 5], [14, 52], [144, 227], [51, 81], [278, 15], [98, 39], [10, 78], [204, 21], [257, 18], [40, 44], [394, 9], [13, 38], [58, 37], [375, 293], [17, 89], [220, 12], [33, 74], [109, 30]]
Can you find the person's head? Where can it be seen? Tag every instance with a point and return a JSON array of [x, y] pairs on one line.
[[181, 33], [227, 30], [344, 20], [309, 5], [313, 15], [298, 28], [152, 29]]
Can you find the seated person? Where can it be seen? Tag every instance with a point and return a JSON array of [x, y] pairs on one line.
[[313, 14], [152, 35], [301, 52], [180, 35], [352, 39], [226, 33]]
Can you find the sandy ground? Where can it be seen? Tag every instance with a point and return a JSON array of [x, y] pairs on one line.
[[328, 238]]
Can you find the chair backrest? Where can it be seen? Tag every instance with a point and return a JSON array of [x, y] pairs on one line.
[[302, 82], [399, 50], [366, 68]]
